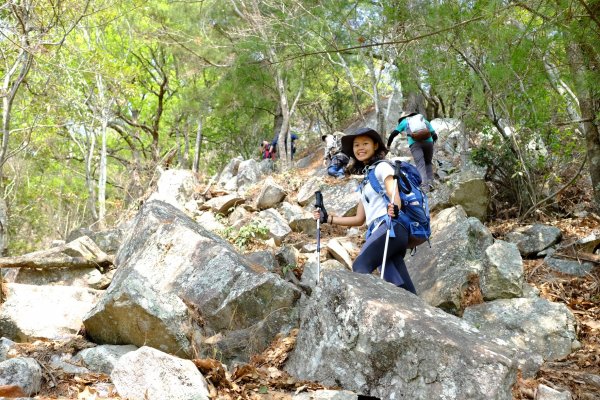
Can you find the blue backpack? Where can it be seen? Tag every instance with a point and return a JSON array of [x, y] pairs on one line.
[[414, 211]]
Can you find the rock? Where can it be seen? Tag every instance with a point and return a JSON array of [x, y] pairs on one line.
[[173, 274], [339, 252], [102, 359], [278, 226], [176, 187], [224, 204], [248, 174], [544, 392], [442, 273], [569, 267], [79, 277], [270, 195], [25, 373], [532, 239], [502, 275], [208, 220], [532, 324], [263, 258], [6, 347], [339, 200], [306, 194], [368, 336], [149, 374], [229, 172], [44, 312]]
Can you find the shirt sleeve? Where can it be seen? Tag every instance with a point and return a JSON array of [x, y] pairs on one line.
[[402, 125]]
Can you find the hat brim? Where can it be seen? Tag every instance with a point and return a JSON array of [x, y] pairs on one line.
[[348, 140]]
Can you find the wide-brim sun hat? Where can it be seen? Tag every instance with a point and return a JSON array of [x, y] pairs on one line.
[[406, 114], [348, 140]]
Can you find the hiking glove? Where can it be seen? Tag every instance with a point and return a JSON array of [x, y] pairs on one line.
[[324, 215], [434, 136]]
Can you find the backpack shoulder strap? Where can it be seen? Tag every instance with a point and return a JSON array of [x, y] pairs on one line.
[[375, 183]]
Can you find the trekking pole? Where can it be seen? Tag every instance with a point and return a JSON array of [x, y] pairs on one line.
[[319, 205], [397, 174]]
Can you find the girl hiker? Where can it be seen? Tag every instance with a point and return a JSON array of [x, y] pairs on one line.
[[421, 138], [366, 147]]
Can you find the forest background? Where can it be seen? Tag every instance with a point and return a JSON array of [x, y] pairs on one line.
[[98, 95]]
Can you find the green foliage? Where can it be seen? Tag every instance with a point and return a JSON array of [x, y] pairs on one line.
[[246, 235]]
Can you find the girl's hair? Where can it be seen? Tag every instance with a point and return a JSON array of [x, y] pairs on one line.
[[356, 167]]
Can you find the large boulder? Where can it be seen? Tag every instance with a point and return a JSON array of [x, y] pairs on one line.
[[442, 273], [180, 287], [362, 334], [532, 324], [33, 312]]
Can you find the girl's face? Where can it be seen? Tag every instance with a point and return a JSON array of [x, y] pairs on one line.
[[364, 148]]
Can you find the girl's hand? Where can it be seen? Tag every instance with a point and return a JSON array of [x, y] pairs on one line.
[[392, 210], [316, 214]]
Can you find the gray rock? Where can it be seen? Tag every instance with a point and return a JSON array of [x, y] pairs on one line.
[[6, 345], [102, 359], [278, 226], [224, 204], [263, 258], [270, 195], [23, 372], [229, 172], [306, 194], [176, 187], [544, 392], [441, 273], [248, 174], [532, 239], [339, 252], [533, 324], [44, 312], [149, 374], [368, 336], [502, 275], [172, 274], [569, 267]]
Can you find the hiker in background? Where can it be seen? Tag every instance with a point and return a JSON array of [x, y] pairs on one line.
[[366, 148], [332, 146], [265, 149], [421, 139], [337, 165], [293, 136]]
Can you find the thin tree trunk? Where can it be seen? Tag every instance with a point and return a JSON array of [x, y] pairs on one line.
[[103, 158], [196, 165]]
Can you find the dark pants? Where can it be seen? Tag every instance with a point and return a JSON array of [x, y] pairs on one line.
[[336, 170], [422, 153], [371, 256]]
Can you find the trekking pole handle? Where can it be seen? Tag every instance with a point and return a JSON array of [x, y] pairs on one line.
[[318, 199]]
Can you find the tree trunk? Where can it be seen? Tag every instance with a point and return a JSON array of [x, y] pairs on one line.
[[589, 104], [196, 165]]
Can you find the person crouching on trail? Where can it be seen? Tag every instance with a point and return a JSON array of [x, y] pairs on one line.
[[366, 147]]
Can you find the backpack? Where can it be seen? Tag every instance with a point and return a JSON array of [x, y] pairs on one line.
[[417, 128], [414, 212]]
